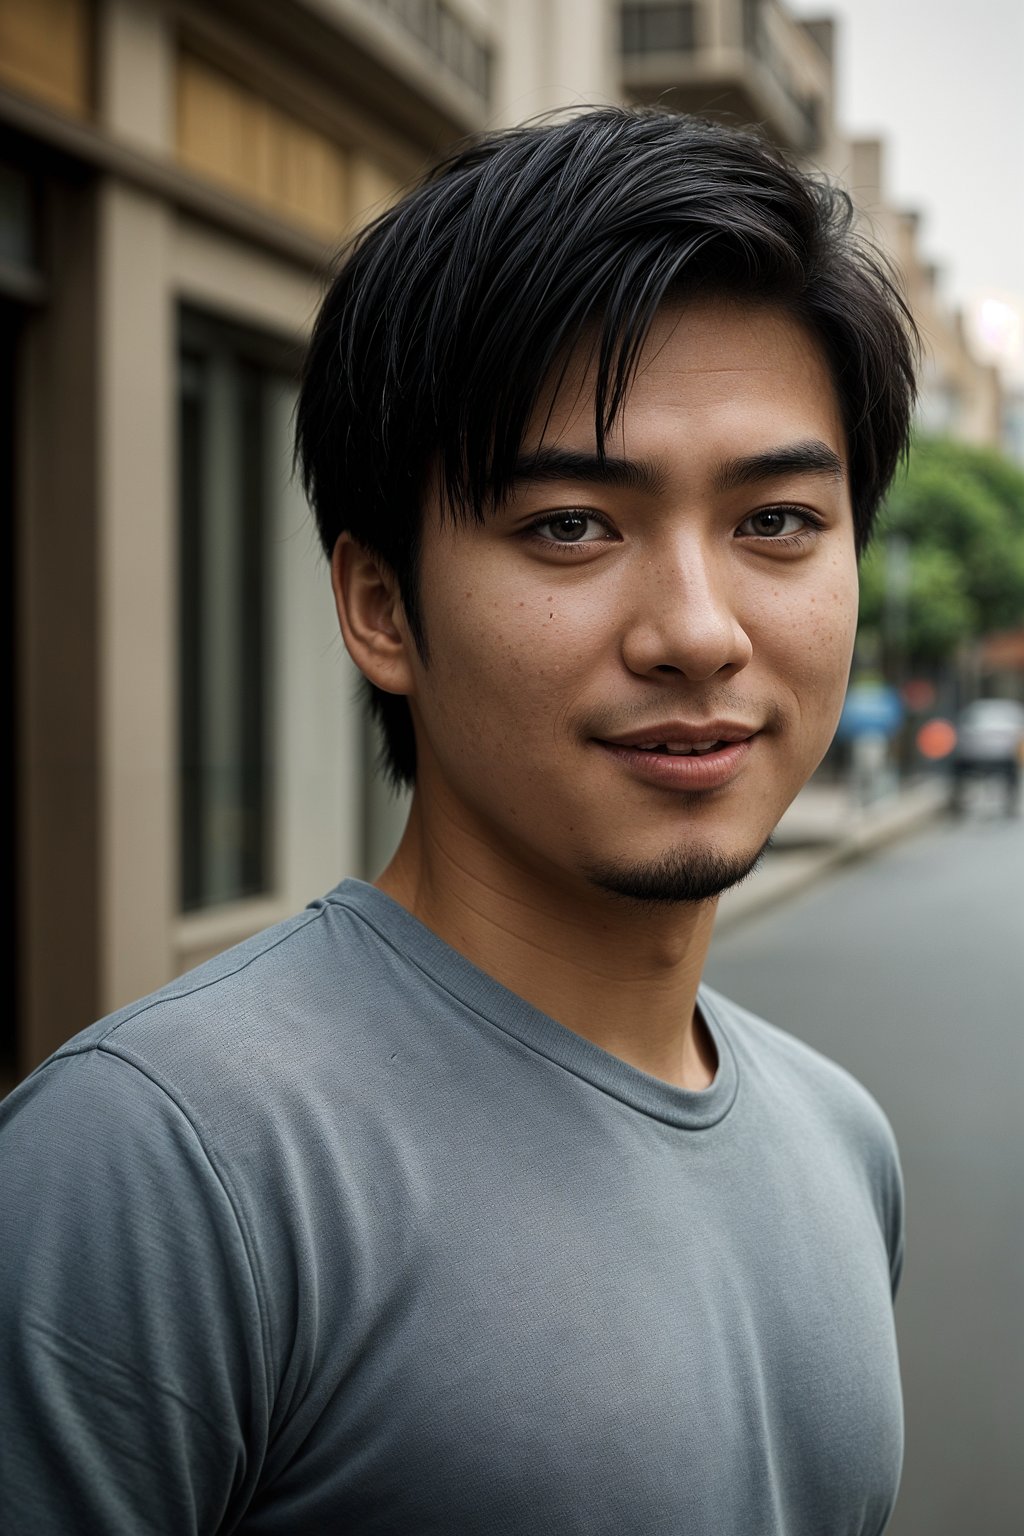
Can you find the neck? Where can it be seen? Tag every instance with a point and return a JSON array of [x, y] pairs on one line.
[[621, 974]]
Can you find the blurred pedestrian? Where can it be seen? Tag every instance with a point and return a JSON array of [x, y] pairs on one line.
[[989, 744]]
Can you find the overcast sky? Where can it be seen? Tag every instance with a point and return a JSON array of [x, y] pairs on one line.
[[943, 82]]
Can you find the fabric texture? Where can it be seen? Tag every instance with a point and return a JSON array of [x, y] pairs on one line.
[[336, 1234]]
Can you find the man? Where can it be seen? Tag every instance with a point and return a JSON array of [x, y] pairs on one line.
[[456, 1204]]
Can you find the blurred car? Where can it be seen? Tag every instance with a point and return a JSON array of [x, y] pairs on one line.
[[990, 742]]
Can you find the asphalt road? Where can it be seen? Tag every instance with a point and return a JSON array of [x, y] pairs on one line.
[[909, 970]]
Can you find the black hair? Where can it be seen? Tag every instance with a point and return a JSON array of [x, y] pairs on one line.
[[451, 311]]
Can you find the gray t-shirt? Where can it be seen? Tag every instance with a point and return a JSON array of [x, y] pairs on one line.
[[336, 1234]]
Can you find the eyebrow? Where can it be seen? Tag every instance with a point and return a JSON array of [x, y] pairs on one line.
[[595, 469], [808, 458], [811, 457]]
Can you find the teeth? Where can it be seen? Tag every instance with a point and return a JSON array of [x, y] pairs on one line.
[[677, 748]]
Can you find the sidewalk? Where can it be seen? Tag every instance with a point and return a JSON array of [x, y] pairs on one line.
[[819, 832]]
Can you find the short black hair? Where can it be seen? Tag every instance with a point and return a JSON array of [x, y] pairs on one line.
[[448, 314]]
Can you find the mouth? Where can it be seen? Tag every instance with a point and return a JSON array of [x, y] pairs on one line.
[[684, 758], [681, 738], [673, 748]]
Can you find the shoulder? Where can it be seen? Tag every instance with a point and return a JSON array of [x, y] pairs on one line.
[[256, 1015], [814, 1090], [131, 1307], [795, 1091], [190, 1123], [216, 1080]]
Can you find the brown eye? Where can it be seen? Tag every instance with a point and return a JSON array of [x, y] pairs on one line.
[[769, 522], [569, 528], [774, 522], [572, 528]]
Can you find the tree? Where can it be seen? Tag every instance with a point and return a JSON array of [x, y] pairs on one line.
[[958, 513]]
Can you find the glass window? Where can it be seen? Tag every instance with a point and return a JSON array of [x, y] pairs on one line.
[[658, 28], [227, 391], [16, 219]]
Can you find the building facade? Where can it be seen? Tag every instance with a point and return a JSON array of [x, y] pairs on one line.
[[752, 61], [190, 760]]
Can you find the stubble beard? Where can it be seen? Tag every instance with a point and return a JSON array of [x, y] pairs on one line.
[[683, 876], [690, 873]]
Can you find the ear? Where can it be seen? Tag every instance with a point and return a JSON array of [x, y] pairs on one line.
[[371, 616]]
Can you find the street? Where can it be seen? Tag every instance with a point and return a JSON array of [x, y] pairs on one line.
[[908, 969]]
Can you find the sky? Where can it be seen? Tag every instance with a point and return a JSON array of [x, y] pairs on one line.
[[943, 83]]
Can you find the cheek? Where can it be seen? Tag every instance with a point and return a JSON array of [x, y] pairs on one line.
[[841, 604], [807, 638], [529, 641], [831, 633], [499, 670]]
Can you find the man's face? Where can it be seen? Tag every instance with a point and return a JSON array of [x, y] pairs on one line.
[[630, 675]]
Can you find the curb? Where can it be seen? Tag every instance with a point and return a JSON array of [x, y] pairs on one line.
[[876, 828]]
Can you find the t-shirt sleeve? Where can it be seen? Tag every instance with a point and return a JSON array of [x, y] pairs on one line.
[[879, 1153], [896, 1227], [134, 1390]]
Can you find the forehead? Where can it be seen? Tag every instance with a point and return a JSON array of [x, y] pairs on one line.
[[709, 372]]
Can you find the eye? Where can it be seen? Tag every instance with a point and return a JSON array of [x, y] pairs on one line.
[[778, 523], [573, 527]]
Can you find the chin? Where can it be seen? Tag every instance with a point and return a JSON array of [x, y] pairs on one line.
[[684, 876]]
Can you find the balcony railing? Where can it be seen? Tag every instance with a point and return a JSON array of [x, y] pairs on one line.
[[770, 44], [761, 40], [441, 32]]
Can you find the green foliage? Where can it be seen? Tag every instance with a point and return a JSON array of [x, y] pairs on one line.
[[959, 513], [938, 613]]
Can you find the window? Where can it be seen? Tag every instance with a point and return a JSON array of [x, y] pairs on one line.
[[228, 394], [654, 28]]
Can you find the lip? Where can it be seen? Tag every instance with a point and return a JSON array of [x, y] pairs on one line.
[[712, 770], [683, 731]]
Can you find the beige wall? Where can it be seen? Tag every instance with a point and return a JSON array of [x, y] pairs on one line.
[[136, 75], [137, 562], [958, 394], [554, 54]]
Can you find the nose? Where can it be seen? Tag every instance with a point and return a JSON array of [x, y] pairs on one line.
[[685, 619]]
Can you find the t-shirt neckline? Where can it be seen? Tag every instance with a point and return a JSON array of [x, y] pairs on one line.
[[503, 1009]]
